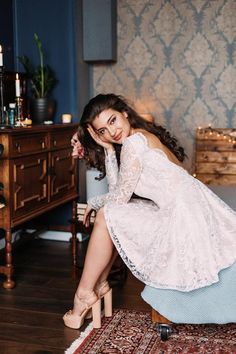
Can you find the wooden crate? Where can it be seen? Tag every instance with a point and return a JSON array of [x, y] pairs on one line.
[[216, 156]]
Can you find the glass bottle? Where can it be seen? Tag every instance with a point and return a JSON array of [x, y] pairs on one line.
[[12, 113], [5, 116]]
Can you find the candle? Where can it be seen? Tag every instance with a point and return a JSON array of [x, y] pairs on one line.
[[17, 85], [1, 56]]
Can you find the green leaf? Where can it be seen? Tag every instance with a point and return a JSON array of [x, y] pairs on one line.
[[42, 77]]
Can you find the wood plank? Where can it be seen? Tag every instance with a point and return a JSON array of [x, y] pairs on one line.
[[51, 338], [41, 292], [32, 319], [203, 134], [42, 305], [217, 179], [216, 168], [10, 347], [211, 145], [216, 156]]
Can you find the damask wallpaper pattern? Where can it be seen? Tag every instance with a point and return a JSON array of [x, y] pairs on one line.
[[177, 61]]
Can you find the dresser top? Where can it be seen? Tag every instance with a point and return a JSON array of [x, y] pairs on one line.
[[38, 128]]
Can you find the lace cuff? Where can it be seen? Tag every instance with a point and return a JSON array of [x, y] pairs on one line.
[[97, 202]]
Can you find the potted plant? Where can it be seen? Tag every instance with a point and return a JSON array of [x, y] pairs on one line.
[[42, 79]]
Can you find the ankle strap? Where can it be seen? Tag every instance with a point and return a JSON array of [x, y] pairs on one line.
[[88, 300], [100, 288]]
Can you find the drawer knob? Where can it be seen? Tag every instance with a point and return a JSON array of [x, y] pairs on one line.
[[54, 143], [1, 149], [18, 147], [3, 202], [43, 144]]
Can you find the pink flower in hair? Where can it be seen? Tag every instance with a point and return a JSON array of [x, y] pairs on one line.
[[78, 149]]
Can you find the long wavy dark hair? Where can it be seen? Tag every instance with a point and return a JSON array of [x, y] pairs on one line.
[[94, 153]]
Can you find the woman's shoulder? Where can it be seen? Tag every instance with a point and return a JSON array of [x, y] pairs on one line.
[[137, 137], [135, 142], [141, 141], [145, 138]]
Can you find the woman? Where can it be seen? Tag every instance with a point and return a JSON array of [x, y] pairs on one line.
[[177, 235]]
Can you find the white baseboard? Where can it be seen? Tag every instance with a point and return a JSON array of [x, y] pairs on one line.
[[14, 237], [49, 235], [61, 236]]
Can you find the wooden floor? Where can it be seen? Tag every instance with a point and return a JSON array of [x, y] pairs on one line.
[[31, 313]]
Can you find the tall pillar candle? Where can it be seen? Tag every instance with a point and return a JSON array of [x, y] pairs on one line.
[[17, 85], [1, 56]]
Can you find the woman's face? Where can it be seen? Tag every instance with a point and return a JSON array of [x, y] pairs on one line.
[[112, 126]]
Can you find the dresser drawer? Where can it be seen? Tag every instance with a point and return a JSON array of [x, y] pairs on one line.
[[61, 139], [21, 145]]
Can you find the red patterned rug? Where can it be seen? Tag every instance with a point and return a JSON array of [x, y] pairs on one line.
[[132, 332]]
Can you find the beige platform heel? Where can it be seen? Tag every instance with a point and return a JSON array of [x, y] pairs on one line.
[[103, 291], [91, 304]]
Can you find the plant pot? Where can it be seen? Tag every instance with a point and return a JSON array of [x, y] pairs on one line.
[[42, 109]]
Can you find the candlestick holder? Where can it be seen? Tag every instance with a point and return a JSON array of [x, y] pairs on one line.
[[1, 95], [19, 112], [3, 124]]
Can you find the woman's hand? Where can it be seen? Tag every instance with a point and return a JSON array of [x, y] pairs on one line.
[[87, 213], [99, 140], [78, 149]]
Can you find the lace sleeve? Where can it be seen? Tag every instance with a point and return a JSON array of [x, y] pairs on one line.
[[111, 169], [129, 173]]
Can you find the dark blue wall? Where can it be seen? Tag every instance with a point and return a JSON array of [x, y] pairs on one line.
[[59, 25], [6, 34], [53, 20]]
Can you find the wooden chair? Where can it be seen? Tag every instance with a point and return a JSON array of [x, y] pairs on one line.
[[118, 273]]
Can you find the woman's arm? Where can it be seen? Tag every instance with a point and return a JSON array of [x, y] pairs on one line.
[[128, 176], [111, 169]]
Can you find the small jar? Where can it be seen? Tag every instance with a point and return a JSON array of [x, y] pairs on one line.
[[12, 113], [5, 116]]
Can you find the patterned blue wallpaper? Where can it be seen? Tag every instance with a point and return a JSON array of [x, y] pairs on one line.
[[177, 61]]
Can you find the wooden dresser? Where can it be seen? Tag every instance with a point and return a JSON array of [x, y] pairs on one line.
[[37, 173]]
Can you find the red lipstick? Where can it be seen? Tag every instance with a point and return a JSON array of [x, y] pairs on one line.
[[116, 138]]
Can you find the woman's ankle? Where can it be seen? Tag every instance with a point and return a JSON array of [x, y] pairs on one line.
[[102, 288], [84, 294], [83, 299], [100, 284]]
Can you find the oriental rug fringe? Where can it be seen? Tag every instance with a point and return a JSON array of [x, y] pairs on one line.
[[132, 332]]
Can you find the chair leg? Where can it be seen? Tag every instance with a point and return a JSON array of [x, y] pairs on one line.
[[74, 244], [158, 318], [162, 325]]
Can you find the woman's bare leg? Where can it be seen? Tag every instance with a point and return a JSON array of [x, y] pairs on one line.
[[106, 271], [98, 259]]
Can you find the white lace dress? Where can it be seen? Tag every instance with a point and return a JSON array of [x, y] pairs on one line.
[[180, 239]]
